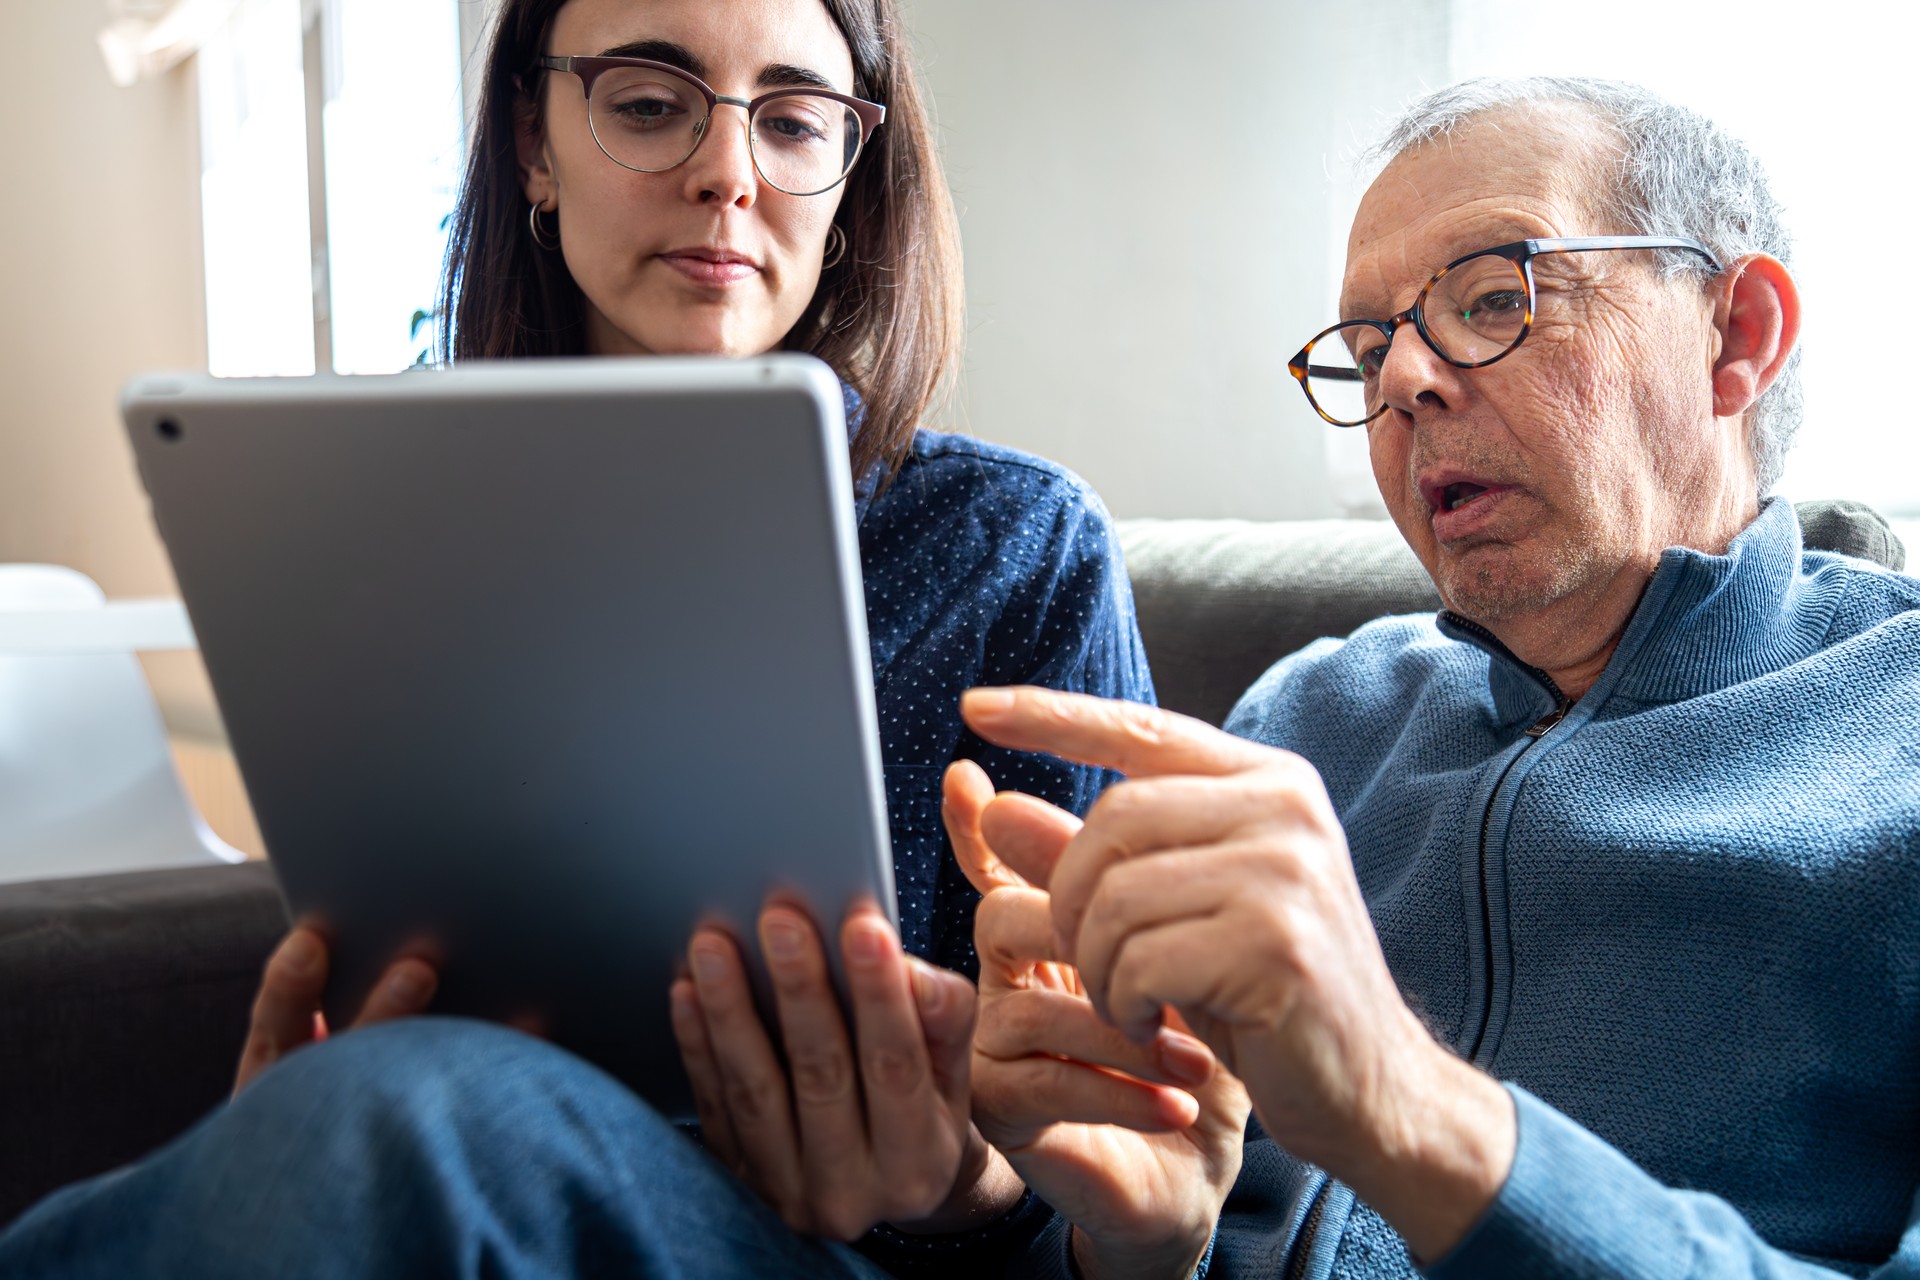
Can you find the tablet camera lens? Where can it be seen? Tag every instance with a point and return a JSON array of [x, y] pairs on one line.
[[169, 430]]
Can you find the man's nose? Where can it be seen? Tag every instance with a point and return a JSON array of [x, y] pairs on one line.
[[1413, 377], [720, 170]]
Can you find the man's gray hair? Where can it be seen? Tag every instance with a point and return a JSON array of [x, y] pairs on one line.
[[1678, 174]]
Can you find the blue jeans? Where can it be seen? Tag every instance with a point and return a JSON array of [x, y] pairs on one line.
[[429, 1147]]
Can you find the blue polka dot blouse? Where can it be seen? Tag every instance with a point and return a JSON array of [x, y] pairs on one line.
[[983, 566]]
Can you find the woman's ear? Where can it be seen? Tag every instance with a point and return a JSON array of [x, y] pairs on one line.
[[1758, 316], [530, 150]]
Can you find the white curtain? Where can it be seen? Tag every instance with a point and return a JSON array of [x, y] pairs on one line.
[[147, 38]]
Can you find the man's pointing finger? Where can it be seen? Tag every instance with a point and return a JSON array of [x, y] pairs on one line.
[[1138, 741]]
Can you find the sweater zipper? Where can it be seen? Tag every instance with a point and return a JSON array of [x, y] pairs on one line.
[[1534, 732]]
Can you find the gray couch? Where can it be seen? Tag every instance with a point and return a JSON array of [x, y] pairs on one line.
[[123, 999]]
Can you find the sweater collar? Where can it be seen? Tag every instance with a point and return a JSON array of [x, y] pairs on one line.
[[1705, 623]]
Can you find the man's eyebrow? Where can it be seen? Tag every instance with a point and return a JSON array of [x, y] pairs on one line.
[[674, 55], [1473, 238]]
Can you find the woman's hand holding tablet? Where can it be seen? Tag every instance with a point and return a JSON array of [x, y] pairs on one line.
[[840, 1129], [863, 1124], [286, 1012]]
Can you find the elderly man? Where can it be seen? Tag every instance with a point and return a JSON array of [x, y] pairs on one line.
[[1581, 936]]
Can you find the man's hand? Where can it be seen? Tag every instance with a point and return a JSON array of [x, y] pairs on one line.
[[1217, 881], [871, 1124], [286, 1012], [1136, 1145]]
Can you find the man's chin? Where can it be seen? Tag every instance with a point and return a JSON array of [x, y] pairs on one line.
[[1495, 582]]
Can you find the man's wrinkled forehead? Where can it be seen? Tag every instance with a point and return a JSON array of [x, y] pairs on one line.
[[1520, 173]]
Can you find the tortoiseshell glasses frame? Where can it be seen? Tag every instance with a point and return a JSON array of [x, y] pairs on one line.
[[1479, 335]]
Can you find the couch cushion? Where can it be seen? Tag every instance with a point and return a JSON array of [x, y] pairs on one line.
[[1220, 601], [123, 1006]]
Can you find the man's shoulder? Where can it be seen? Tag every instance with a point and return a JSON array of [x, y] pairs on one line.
[[1868, 597], [1369, 682]]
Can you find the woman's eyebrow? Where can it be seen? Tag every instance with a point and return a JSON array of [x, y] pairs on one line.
[[782, 75], [674, 55], [775, 75]]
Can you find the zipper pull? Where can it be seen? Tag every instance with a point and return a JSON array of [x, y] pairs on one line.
[[1540, 727]]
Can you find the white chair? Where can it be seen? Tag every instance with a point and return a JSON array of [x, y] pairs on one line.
[[87, 782]]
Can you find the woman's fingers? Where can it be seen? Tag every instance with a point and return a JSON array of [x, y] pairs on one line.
[[832, 1132], [917, 1133], [703, 1073], [752, 1082], [947, 1005], [404, 990], [288, 1002]]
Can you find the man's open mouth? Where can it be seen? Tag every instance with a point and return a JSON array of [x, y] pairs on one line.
[[1455, 496]]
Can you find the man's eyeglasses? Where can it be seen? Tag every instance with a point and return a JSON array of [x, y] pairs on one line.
[[1474, 311], [651, 116]]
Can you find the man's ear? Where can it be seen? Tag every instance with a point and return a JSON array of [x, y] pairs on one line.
[[1758, 315], [530, 150]]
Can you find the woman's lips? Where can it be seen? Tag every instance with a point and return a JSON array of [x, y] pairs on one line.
[[713, 270]]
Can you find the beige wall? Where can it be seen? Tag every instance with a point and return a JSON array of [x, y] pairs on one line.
[[101, 278], [1154, 201]]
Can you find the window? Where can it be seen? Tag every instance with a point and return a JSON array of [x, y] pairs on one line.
[[1810, 97], [294, 282], [253, 193]]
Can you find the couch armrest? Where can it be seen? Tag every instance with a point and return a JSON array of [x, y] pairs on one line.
[[123, 1006]]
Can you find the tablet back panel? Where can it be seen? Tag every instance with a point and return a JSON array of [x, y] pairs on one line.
[[537, 662]]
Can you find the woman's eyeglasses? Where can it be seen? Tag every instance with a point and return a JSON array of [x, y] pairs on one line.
[[651, 116]]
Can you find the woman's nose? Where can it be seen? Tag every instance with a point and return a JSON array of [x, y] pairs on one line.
[[721, 167]]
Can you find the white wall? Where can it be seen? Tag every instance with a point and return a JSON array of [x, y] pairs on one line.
[[100, 278], [1149, 198]]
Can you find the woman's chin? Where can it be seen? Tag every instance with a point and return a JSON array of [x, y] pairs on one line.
[[690, 333]]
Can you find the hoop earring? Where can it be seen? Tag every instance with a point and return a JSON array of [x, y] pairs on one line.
[[836, 247], [546, 240]]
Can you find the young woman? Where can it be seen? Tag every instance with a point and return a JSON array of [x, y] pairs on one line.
[[733, 177]]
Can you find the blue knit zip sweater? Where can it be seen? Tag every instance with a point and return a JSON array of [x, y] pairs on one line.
[[1682, 922]]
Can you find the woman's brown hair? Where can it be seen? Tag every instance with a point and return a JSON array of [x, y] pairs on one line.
[[887, 318]]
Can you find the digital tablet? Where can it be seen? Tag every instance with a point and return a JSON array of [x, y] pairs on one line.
[[540, 662]]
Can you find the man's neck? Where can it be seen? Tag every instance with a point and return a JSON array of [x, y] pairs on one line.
[[1573, 639]]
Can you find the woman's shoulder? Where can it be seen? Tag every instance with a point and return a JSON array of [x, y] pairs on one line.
[[956, 497], [965, 469]]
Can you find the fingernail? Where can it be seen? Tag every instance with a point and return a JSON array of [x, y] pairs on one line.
[[709, 962], [1185, 1058], [990, 703], [1062, 946], [409, 985], [785, 938], [867, 944], [301, 955], [928, 991]]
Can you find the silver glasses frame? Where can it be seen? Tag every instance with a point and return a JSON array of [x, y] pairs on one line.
[[588, 69]]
